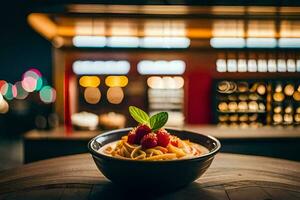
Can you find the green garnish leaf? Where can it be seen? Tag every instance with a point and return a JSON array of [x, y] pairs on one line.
[[139, 115], [158, 120]]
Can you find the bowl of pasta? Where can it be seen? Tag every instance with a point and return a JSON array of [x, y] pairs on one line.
[[150, 155]]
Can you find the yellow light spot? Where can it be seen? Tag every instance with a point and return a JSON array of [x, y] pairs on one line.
[[89, 81], [116, 81], [115, 95], [166, 82], [92, 95]]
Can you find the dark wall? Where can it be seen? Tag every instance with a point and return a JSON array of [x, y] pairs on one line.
[[21, 47]]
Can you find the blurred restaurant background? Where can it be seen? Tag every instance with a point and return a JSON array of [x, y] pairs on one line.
[[70, 70]]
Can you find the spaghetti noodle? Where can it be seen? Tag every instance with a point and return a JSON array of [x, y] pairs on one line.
[[122, 149]]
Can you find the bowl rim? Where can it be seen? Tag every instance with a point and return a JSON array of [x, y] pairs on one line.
[[201, 157]]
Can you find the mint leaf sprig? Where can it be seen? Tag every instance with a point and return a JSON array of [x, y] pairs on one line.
[[155, 122]]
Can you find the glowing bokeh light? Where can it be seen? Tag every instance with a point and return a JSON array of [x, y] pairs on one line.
[[21, 93], [92, 95], [155, 82], [89, 67], [32, 80], [116, 81], [39, 84], [115, 95], [89, 81], [2, 83], [29, 83], [3, 87], [146, 67], [48, 94], [165, 42], [4, 107], [166, 82], [14, 91], [220, 42], [8, 94], [34, 73], [89, 41], [179, 82]]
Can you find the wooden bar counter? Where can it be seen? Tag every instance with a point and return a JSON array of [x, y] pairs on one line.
[[277, 142], [230, 177]]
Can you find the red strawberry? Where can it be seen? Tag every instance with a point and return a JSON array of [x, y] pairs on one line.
[[163, 137], [140, 132], [174, 141], [149, 141], [131, 137]]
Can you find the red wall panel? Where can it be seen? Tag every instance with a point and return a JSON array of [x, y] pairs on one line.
[[198, 98]]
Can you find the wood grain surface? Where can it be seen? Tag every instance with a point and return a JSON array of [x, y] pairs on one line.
[[231, 177]]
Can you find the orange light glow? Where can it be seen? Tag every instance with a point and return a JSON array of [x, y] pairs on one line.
[[43, 25], [92, 95], [89, 81], [116, 81], [115, 95]]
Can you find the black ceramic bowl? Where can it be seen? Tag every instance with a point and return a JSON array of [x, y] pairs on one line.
[[148, 174]]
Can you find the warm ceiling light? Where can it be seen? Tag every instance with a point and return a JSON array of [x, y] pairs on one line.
[[123, 42], [165, 42], [43, 25], [169, 28], [228, 28], [289, 42], [131, 42], [100, 67], [161, 67], [116, 81], [261, 28], [122, 28], [227, 42], [58, 42], [89, 81], [89, 41], [261, 42], [84, 27], [90, 27], [289, 28]]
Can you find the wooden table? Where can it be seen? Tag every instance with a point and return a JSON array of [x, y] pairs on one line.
[[230, 177]]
